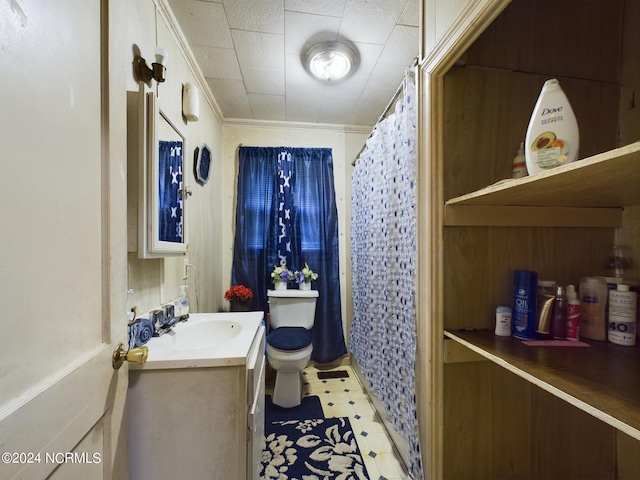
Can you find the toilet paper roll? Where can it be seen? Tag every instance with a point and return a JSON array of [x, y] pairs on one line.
[[191, 102]]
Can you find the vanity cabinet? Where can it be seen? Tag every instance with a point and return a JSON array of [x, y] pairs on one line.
[[198, 422], [494, 407]]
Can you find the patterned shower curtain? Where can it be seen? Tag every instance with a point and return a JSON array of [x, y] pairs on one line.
[[383, 256]]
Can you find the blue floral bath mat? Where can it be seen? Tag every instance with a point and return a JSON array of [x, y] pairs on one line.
[[310, 407], [318, 449]]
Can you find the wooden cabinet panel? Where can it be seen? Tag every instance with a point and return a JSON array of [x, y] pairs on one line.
[[628, 453], [527, 414], [569, 443], [467, 432], [554, 38], [479, 263], [487, 115]]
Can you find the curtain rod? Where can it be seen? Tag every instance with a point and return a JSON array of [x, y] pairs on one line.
[[387, 108]]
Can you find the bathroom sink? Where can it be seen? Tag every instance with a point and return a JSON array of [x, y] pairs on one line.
[[205, 340], [207, 333]]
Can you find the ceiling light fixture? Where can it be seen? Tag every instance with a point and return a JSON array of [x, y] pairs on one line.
[[330, 61]]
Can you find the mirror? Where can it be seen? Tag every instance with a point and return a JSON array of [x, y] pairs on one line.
[[165, 228]]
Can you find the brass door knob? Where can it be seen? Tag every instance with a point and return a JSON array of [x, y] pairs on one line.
[[136, 356]]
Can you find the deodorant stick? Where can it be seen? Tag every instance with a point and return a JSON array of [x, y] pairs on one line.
[[503, 321]]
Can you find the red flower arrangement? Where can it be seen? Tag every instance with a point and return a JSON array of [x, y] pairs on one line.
[[238, 292]]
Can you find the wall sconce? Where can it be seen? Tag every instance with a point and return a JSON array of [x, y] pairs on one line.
[[330, 61], [157, 70]]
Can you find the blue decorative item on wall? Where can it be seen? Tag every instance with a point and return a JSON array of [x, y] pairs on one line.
[[202, 166]]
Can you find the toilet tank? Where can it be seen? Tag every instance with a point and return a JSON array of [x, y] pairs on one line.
[[292, 308]]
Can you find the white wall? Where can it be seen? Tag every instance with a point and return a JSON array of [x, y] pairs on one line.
[[211, 208], [156, 281]]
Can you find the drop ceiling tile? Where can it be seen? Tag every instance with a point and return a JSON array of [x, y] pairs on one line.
[[264, 81], [303, 103], [334, 8], [239, 111], [368, 55], [257, 16], [218, 62], [228, 92], [386, 77], [302, 30], [336, 111], [348, 89], [370, 21], [411, 14], [259, 50], [365, 116], [402, 47], [267, 107], [268, 37], [370, 106], [203, 23]]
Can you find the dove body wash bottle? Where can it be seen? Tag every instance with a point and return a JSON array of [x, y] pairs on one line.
[[552, 136]]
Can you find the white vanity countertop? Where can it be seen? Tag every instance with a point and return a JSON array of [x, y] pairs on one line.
[[205, 340]]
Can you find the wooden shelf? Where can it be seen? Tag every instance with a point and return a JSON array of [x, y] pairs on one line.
[[607, 180], [602, 380]]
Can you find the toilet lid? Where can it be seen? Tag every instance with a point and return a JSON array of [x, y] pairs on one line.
[[290, 338]]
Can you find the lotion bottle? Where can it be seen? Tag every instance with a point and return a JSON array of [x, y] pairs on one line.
[[519, 167], [593, 301], [622, 316], [552, 136]]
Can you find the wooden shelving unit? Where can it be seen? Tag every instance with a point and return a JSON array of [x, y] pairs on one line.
[[498, 408], [606, 180], [587, 193], [603, 379]]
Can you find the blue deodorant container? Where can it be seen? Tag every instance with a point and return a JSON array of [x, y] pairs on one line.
[[525, 285]]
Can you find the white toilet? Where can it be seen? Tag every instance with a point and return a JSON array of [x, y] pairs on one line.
[[289, 347]]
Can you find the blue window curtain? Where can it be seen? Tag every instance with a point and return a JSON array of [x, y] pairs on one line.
[[290, 189]]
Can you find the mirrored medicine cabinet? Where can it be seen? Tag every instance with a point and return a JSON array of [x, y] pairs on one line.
[[156, 184]]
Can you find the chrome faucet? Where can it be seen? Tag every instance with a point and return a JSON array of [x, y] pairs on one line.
[[164, 319]]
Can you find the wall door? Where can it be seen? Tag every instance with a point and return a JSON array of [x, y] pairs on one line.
[[61, 402]]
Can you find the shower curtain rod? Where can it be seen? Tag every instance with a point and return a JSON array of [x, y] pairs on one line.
[[386, 110]]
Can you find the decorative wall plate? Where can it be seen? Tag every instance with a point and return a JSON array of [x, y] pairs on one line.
[[202, 167]]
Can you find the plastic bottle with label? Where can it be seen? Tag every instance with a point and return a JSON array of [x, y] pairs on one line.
[[622, 316], [523, 323], [573, 314], [559, 322], [544, 307], [519, 165], [552, 135], [503, 321], [182, 304], [593, 303]]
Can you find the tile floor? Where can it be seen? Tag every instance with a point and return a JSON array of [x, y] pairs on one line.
[[345, 397]]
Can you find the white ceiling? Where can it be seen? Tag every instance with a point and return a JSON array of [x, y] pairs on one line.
[[250, 53]]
